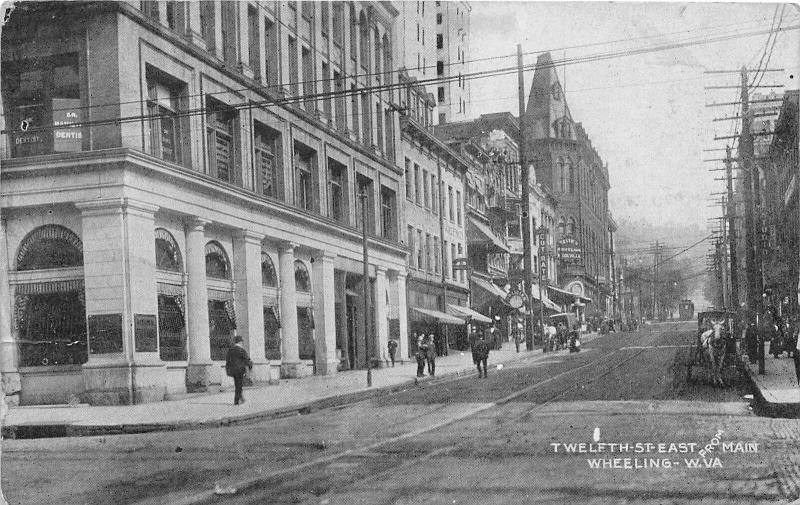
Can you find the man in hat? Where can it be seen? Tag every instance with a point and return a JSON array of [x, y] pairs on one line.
[[480, 354], [237, 362]]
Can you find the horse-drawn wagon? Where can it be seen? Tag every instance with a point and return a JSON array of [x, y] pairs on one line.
[[715, 351]]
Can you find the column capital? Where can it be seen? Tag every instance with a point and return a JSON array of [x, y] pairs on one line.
[[249, 236], [380, 270], [197, 224], [287, 247], [398, 274], [324, 255], [101, 206]]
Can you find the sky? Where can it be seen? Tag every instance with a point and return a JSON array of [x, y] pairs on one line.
[[646, 113]]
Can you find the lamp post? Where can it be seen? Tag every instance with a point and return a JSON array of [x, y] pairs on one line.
[[363, 195]]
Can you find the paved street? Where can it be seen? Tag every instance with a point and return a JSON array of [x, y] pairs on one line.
[[464, 440]]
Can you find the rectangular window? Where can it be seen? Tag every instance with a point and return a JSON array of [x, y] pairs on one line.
[[365, 206], [388, 214], [426, 188], [409, 181], [437, 255], [271, 58], [207, 27], [338, 19], [176, 16], [308, 78], [366, 124], [337, 190], [412, 258], [388, 122], [354, 116], [353, 29], [420, 250], [438, 19], [418, 181], [434, 195], [439, 41], [428, 253], [327, 103], [341, 117], [294, 75], [220, 131], [267, 148], [304, 173], [446, 260], [458, 207], [452, 262], [439, 68], [163, 105], [460, 254], [150, 9], [325, 17], [450, 203], [253, 44], [379, 124], [228, 24]]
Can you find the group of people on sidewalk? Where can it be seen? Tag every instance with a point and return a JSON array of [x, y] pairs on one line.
[[426, 353]]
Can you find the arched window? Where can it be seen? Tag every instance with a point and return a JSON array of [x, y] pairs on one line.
[[563, 175], [353, 27], [168, 255], [363, 39], [571, 226], [50, 246], [268, 276], [387, 58], [571, 174], [378, 51], [217, 264], [302, 281]]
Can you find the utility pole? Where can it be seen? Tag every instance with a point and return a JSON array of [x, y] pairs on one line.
[[732, 233], [364, 197], [527, 260], [752, 184], [655, 279], [442, 249]]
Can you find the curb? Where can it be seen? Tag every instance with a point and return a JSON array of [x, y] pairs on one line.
[[71, 430], [770, 409]]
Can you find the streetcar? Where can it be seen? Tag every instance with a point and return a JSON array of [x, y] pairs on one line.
[[686, 310]]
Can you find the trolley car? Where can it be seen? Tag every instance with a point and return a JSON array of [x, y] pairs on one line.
[[686, 310]]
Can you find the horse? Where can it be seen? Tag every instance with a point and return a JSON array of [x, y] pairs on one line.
[[713, 344]]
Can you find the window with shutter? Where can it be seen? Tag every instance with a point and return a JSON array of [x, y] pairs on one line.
[[221, 146]]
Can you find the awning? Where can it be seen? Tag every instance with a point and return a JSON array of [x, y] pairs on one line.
[[491, 287], [548, 303], [441, 316], [566, 296], [458, 310], [479, 232]]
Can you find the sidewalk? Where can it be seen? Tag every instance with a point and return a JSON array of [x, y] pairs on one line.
[[777, 389], [288, 397]]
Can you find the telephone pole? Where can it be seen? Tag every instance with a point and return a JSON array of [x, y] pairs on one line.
[[655, 279], [732, 233], [527, 260]]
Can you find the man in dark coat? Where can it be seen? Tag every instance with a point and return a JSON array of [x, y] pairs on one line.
[[480, 354], [431, 357], [422, 354], [392, 350], [237, 362]]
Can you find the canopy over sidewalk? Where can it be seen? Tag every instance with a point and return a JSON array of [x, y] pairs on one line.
[[440, 316], [458, 310]]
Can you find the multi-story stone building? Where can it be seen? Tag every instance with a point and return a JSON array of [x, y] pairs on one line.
[[175, 173], [568, 165], [435, 218], [452, 56]]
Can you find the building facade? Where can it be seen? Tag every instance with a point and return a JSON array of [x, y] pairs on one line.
[[436, 221], [452, 57], [179, 173], [568, 165]]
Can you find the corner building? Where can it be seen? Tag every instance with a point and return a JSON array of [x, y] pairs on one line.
[[211, 186]]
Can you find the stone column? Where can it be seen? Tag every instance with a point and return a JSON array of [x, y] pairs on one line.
[[290, 345], [119, 279], [11, 382], [193, 28], [249, 299], [402, 314], [381, 340], [198, 372], [324, 313]]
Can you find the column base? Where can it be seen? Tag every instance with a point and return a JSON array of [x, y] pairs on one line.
[[294, 370], [199, 376], [123, 383], [260, 373], [12, 386], [328, 367]]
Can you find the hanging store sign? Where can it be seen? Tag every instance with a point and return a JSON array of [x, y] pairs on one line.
[[569, 250]]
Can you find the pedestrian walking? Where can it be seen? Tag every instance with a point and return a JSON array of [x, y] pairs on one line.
[[422, 354], [392, 350], [237, 362], [480, 355], [431, 355]]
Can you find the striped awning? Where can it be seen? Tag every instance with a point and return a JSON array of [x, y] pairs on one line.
[[440, 316], [458, 310]]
